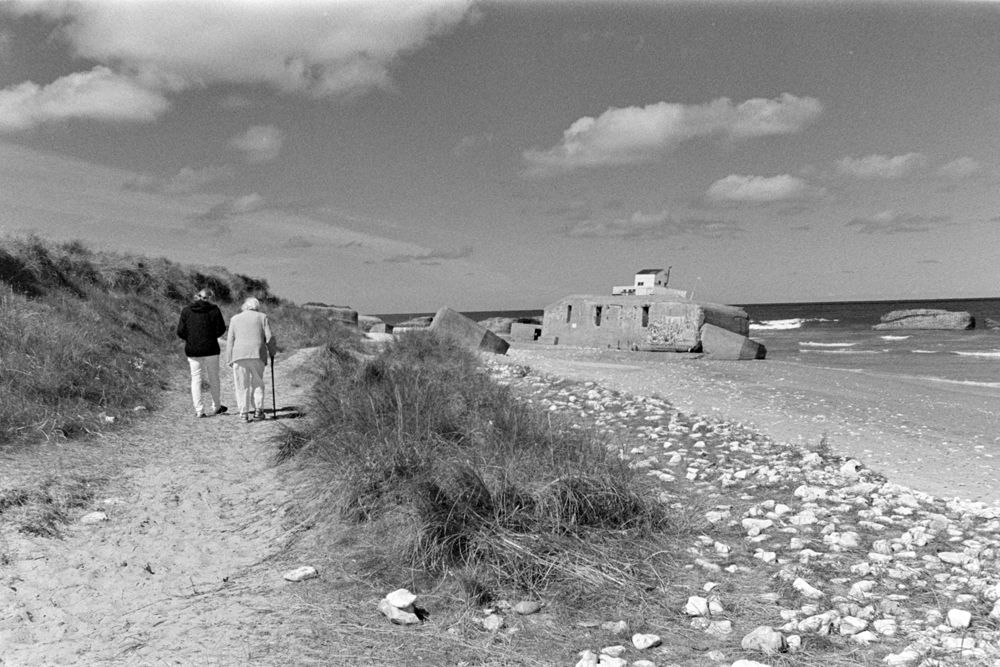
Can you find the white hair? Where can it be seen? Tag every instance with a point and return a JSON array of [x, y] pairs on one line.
[[205, 295], [251, 304]]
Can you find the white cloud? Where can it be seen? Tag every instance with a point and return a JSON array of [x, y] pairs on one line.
[[232, 207], [315, 48], [260, 143], [640, 134], [641, 225], [99, 94], [897, 222], [882, 166], [760, 189], [185, 181], [961, 168]]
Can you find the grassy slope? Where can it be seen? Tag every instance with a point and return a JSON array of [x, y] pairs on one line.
[[87, 343]]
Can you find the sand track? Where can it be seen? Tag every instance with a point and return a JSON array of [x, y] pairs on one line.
[[186, 569]]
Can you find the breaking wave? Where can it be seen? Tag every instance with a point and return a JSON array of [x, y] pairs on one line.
[[784, 325], [812, 344]]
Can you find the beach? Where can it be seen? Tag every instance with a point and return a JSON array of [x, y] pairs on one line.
[[940, 438]]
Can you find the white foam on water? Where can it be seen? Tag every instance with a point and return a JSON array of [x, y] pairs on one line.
[[778, 325], [843, 351], [991, 355], [812, 344], [924, 351], [893, 337]]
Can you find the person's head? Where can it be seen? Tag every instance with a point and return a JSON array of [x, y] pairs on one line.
[[205, 295], [250, 304]]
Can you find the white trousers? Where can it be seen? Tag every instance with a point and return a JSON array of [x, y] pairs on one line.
[[208, 368], [248, 381]]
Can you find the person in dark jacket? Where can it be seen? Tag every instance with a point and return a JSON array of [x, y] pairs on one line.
[[201, 325]]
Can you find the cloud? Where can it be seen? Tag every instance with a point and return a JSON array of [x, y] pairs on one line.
[[99, 94], [896, 222], [760, 189], [185, 181], [960, 169], [231, 207], [651, 226], [260, 143], [641, 134], [314, 48], [473, 144], [881, 166], [431, 257]]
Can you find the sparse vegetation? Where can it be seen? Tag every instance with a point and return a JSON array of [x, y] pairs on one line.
[[451, 474], [87, 344]]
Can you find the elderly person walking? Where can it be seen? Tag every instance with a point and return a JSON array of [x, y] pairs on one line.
[[250, 343], [200, 326]]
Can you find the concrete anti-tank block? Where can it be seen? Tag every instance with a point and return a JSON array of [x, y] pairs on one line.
[[525, 332], [718, 343], [452, 323]]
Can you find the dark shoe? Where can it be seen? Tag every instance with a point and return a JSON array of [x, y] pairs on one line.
[[258, 416], [220, 410]]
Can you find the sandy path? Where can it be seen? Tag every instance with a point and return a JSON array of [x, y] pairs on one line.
[[186, 569], [935, 437]]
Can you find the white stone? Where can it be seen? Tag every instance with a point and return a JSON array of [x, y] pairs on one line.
[[953, 557], [720, 628], [851, 625], [959, 618], [764, 639], [806, 590], [493, 622], [995, 612], [885, 626], [748, 663], [643, 663], [397, 615], [587, 659], [756, 526], [862, 590], [93, 517], [865, 638], [696, 606], [904, 657], [613, 651], [401, 599], [301, 573], [527, 607], [643, 642], [852, 468]]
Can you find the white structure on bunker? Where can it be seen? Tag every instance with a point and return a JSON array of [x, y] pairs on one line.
[[649, 281]]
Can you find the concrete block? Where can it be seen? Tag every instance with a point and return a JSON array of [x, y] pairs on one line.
[[381, 327], [719, 343], [449, 322], [525, 332]]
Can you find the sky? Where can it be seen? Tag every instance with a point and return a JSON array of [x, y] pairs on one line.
[[400, 157]]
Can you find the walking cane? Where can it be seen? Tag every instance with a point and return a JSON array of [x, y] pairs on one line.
[[274, 401]]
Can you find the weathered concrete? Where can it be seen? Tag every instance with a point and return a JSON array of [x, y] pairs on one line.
[[654, 322], [449, 322], [718, 343], [525, 333], [338, 314], [381, 327], [926, 318]]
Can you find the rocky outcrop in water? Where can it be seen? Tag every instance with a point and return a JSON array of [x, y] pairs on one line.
[[926, 318]]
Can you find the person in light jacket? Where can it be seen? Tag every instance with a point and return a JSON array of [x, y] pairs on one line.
[[249, 344], [200, 327]]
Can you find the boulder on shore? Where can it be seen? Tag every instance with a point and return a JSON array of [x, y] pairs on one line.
[[926, 318], [452, 323]]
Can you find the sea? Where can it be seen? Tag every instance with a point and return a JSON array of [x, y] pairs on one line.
[[840, 335]]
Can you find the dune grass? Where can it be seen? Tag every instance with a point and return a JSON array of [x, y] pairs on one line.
[[87, 345], [446, 474]]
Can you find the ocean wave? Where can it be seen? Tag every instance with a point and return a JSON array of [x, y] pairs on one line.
[[893, 337], [843, 351], [812, 344], [784, 325], [995, 354], [924, 351]]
